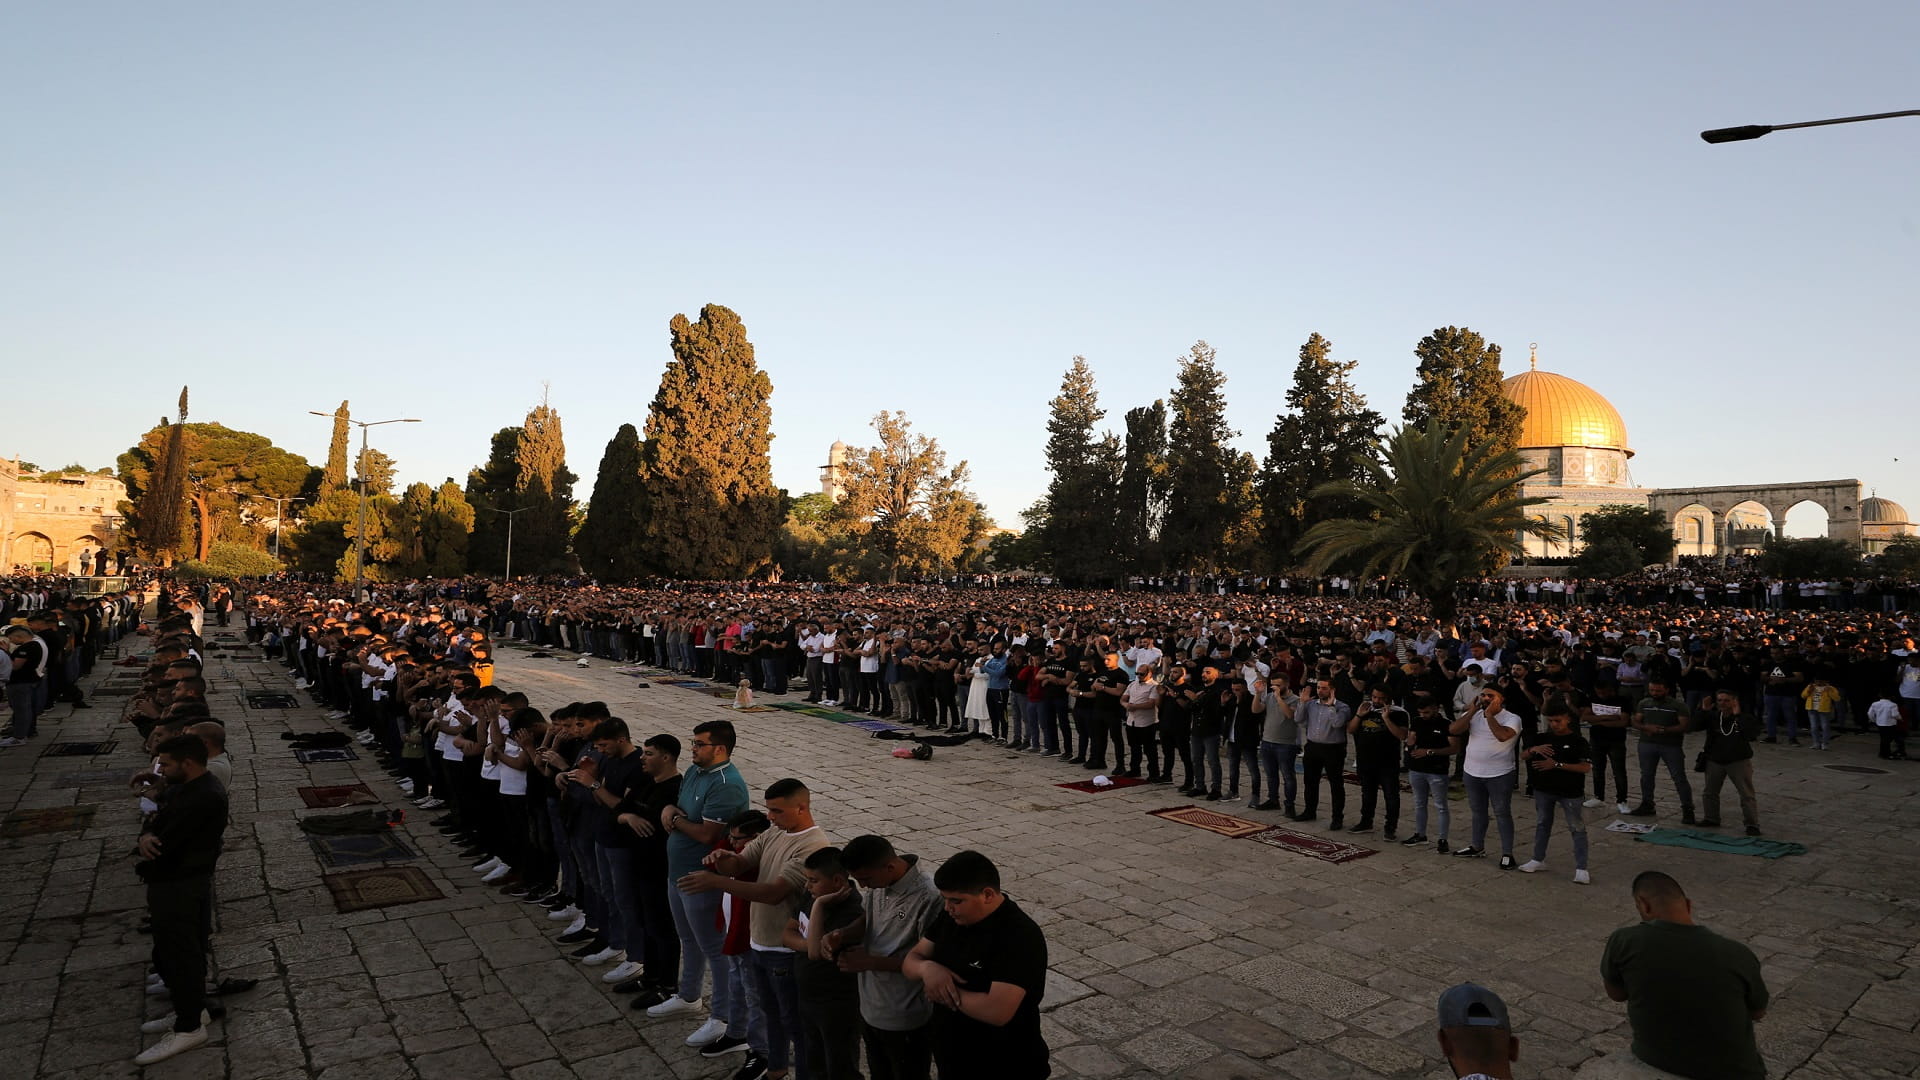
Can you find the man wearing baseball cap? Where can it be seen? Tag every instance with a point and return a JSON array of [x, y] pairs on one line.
[[1475, 1035]]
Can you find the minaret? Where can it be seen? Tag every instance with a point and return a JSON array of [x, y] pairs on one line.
[[833, 473]]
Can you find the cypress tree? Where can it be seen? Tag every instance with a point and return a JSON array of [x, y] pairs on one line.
[[545, 488], [161, 510], [490, 487], [1142, 492], [1076, 516], [707, 505], [608, 542], [1203, 501], [1327, 434], [1457, 383], [449, 525], [335, 474]]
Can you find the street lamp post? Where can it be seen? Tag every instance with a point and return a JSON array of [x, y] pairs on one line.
[[510, 516], [360, 530], [278, 501], [1754, 131]]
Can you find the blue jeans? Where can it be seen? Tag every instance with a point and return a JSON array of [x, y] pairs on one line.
[[1017, 718], [1675, 757], [773, 1009], [618, 884], [1781, 707], [1237, 755], [1278, 759], [1544, 806], [1206, 760], [1821, 724], [695, 919], [1492, 794], [24, 700], [1430, 787]]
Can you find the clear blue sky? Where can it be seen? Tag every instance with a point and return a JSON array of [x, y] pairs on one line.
[[435, 208]]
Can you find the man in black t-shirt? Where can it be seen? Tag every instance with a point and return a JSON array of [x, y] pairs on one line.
[[983, 964], [1430, 746], [659, 946], [1558, 760]]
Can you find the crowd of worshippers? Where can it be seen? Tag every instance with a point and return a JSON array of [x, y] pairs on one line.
[[183, 803], [54, 636]]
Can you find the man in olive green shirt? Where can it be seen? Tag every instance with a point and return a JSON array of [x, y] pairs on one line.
[[1692, 996]]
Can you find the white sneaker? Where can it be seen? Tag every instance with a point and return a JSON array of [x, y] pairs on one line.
[[300, 684], [569, 914], [176, 1042], [165, 1023], [605, 956], [578, 924], [621, 972], [1581, 877], [487, 867], [1532, 866], [709, 1032], [1621, 808], [10, 741], [676, 1006], [497, 873], [1591, 803]]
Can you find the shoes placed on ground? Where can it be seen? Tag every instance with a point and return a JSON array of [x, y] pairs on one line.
[[754, 1068], [1643, 810], [179, 1042], [1506, 862], [621, 972], [724, 1045], [1531, 866], [708, 1033], [673, 1006], [1581, 877], [1753, 830], [165, 1023], [1415, 840], [1470, 853], [1591, 803]]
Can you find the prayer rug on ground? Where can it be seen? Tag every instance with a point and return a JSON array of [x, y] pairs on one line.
[[1115, 784], [1324, 848], [384, 886], [315, 757], [92, 777], [79, 749], [1702, 840], [262, 699], [50, 820], [872, 725], [1224, 824], [750, 708], [359, 849], [338, 795]]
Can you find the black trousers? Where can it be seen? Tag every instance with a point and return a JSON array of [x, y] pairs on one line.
[[1380, 779], [182, 914], [1610, 755], [1329, 760], [897, 1055], [1143, 742], [832, 1026]]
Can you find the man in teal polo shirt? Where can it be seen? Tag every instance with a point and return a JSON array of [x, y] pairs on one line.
[[710, 793]]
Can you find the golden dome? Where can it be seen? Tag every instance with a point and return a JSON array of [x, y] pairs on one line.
[[1563, 412]]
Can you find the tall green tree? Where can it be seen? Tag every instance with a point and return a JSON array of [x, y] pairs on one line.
[[708, 507], [375, 469], [1645, 530], [1435, 511], [609, 541], [1326, 434], [1202, 501], [904, 507], [334, 476], [544, 487], [158, 518], [491, 487], [1076, 534], [430, 529], [1457, 384], [1142, 491], [226, 476]]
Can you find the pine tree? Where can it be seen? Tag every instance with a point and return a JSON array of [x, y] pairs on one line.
[[1142, 492], [708, 507], [448, 528], [1076, 517], [161, 511], [1202, 501], [904, 509], [335, 474], [1327, 434], [1457, 383], [545, 488], [608, 543]]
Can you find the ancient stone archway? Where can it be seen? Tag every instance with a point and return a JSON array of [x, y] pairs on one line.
[[1839, 498], [33, 549]]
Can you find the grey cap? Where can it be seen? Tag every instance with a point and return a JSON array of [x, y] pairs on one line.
[[1472, 1005]]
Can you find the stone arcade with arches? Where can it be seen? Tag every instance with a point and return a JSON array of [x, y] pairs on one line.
[[54, 520]]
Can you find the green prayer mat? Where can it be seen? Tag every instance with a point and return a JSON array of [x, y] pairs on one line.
[[1701, 840]]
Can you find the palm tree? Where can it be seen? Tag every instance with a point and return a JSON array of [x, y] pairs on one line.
[[1437, 514]]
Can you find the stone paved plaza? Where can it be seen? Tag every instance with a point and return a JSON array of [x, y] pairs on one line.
[[1175, 951]]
